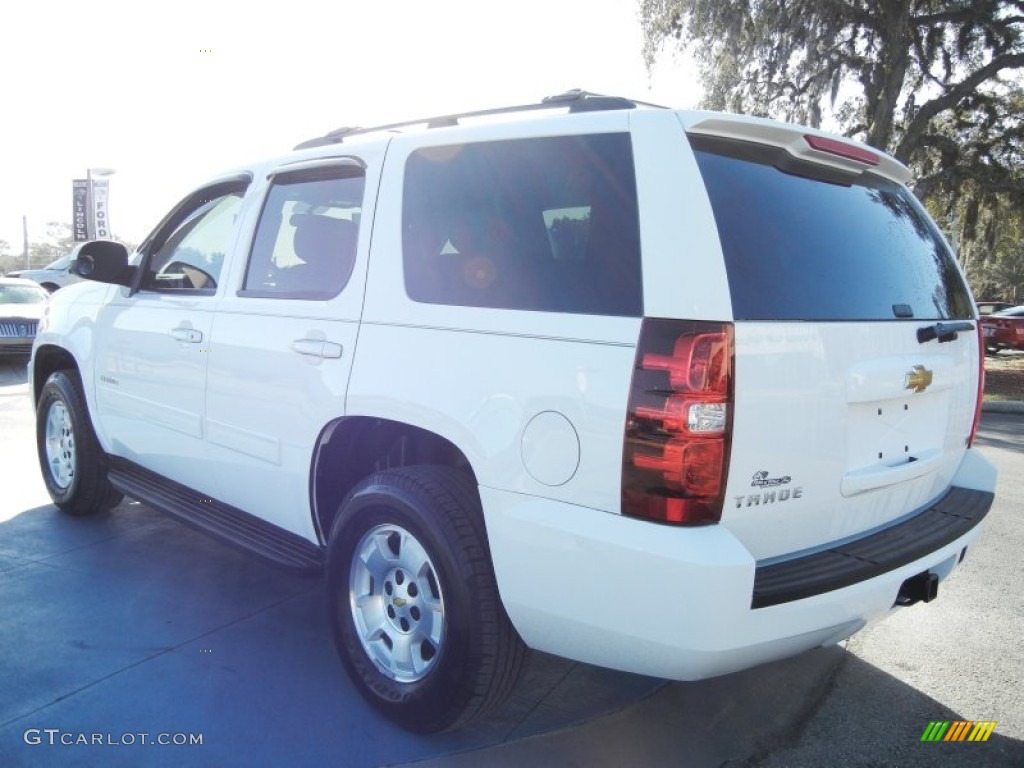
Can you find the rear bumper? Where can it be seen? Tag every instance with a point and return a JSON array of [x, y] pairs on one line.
[[945, 521], [678, 602]]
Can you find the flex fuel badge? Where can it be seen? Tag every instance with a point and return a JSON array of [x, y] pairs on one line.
[[775, 491]]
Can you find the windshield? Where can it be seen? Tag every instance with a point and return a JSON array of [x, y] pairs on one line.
[[22, 294], [60, 263]]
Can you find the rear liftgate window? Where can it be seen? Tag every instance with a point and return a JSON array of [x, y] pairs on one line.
[[545, 224], [805, 244]]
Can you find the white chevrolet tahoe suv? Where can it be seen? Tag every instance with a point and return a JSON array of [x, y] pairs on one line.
[[670, 392]]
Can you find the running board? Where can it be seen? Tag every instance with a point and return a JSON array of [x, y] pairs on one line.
[[213, 517]]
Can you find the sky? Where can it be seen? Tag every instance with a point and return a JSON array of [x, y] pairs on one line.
[[169, 95]]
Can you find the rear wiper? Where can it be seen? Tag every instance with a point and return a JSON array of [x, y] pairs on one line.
[[943, 331]]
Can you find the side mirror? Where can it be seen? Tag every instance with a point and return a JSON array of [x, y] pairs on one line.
[[104, 261]]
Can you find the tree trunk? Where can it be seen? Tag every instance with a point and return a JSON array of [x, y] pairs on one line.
[[889, 73]]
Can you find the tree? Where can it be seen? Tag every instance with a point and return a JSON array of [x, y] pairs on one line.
[[8, 260], [59, 240], [994, 256], [937, 83]]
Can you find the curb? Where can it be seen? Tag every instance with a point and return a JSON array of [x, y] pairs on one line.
[[1002, 406]]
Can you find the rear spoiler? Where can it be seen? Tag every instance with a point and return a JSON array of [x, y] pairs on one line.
[[802, 143]]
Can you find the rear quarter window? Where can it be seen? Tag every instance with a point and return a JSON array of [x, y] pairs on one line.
[[799, 246], [546, 224]]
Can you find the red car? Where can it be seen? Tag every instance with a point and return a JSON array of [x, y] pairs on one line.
[[1004, 329]]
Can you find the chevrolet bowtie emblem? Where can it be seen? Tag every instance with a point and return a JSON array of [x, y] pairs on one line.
[[918, 379], [399, 602]]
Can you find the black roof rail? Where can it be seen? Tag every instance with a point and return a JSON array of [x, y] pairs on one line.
[[575, 100]]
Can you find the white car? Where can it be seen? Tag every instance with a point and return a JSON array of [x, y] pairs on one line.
[[54, 275], [671, 392], [21, 306]]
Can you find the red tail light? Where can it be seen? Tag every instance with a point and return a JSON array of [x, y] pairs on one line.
[[981, 385], [679, 425]]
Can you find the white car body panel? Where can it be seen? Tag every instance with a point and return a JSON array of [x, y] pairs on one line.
[[409, 376], [69, 323], [665, 601], [684, 271], [151, 387], [824, 406], [266, 403]]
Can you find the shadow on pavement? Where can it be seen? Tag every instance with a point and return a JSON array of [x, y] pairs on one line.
[[886, 728], [754, 719], [708, 723]]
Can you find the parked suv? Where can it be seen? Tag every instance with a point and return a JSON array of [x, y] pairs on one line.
[[671, 392], [55, 275]]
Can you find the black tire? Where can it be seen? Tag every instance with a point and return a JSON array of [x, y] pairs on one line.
[[74, 466], [472, 662]]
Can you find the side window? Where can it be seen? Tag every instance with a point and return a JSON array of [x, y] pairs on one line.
[[546, 224], [188, 251], [305, 242]]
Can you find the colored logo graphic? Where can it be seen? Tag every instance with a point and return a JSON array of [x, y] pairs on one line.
[[958, 730], [918, 379]]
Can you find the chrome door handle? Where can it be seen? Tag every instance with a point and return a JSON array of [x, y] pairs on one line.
[[190, 335], [317, 348]]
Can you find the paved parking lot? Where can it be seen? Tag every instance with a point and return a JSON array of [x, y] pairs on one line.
[[130, 623]]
